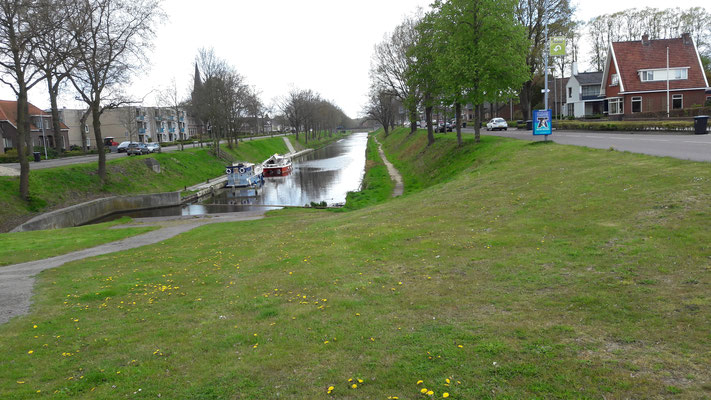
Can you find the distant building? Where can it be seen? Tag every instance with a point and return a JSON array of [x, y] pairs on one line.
[[582, 94], [41, 128], [130, 123], [636, 76]]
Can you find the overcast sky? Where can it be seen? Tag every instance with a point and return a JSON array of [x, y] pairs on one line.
[[323, 45]]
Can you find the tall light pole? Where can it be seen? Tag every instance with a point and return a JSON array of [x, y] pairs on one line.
[[546, 52]]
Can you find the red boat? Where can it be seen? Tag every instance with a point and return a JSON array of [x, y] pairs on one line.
[[277, 165]]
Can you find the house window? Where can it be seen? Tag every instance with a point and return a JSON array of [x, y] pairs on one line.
[[571, 110], [657, 75], [7, 142], [570, 92], [614, 80], [677, 101], [636, 104], [616, 106], [591, 90]]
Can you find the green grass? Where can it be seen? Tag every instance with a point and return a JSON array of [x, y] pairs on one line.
[[377, 187], [28, 246], [514, 269], [323, 139], [257, 151]]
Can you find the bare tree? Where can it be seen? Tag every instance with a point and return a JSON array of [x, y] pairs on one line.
[[19, 33], [390, 65], [380, 108], [111, 36], [170, 98], [54, 55], [127, 118]]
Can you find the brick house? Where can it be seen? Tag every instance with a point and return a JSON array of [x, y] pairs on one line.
[[636, 75], [40, 127]]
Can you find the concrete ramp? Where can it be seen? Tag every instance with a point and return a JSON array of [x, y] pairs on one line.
[[288, 145]]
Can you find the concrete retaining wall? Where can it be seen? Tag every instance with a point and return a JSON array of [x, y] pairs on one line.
[[86, 212]]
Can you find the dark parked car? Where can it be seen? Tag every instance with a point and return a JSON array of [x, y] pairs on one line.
[[137, 149], [121, 148]]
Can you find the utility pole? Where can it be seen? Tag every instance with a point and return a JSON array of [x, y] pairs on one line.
[[668, 82], [546, 53]]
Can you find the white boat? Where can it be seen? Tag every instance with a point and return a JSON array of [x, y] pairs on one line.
[[277, 165], [244, 174]]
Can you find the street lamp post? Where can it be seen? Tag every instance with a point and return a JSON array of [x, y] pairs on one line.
[[44, 138]]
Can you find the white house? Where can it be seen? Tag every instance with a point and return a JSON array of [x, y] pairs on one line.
[[582, 94]]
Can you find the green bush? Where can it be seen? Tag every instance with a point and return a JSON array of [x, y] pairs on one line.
[[639, 126], [10, 156]]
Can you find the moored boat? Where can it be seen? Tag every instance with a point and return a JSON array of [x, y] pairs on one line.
[[244, 174], [277, 165]]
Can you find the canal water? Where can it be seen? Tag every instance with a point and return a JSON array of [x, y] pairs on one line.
[[327, 174]]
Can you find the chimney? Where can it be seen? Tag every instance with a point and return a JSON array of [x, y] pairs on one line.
[[645, 40], [574, 69], [686, 38]]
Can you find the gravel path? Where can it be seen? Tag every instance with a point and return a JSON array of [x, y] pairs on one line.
[[17, 281], [394, 174]]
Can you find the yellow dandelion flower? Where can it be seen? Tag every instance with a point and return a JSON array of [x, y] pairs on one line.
[[360, 380], [447, 380], [330, 388], [460, 346], [34, 326], [30, 352], [423, 390], [350, 379], [418, 382], [21, 382], [325, 342], [445, 395], [353, 386], [430, 393]]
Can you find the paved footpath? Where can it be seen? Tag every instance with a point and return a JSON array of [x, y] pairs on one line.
[[17, 281], [394, 173]]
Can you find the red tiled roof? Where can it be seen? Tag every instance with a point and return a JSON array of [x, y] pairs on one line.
[[634, 56], [8, 112]]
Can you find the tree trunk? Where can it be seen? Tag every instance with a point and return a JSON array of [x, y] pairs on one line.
[[23, 130], [413, 120], [53, 93], [82, 127], [96, 116], [430, 131], [458, 117], [477, 123], [525, 97]]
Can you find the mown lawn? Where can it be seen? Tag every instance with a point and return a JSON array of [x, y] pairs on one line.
[[510, 270], [21, 247]]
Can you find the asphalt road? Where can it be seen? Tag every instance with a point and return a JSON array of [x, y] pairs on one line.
[[93, 158], [682, 146]]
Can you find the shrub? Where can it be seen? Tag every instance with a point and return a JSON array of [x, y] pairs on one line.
[[639, 126], [10, 156]]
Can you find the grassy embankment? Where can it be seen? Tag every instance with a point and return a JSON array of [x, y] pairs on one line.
[[27, 246], [377, 187], [316, 143], [63, 186], [512, 269]]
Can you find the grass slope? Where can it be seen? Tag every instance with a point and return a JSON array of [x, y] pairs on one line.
[[28, 246], [63, 186], [531, 271], [377, 186]]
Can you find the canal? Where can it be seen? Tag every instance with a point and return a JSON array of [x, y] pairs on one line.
[[324, 175]]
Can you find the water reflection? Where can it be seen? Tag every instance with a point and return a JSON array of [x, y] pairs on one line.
[[327, 174]]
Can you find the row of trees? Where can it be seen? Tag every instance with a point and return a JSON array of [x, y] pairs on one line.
[[223, 100], [460, 52], [96, 45], [306, 111], [631, 24]]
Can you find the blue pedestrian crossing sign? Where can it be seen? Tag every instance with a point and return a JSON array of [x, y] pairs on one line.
[[542, 122]]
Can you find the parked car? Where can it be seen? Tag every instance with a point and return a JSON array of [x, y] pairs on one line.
[[137, 149], [122, 147], [153, 147], [497, 124], [444, 128]]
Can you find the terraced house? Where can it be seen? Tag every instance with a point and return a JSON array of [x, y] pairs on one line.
[[647, 75]]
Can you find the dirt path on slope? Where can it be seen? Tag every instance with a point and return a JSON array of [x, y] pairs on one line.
[[394, 174], [17, 281]]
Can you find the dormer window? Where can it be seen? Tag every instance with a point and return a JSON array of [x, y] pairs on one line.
[[657, 75], [614, 80]]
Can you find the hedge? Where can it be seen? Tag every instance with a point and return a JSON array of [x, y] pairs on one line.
[[624, 125]]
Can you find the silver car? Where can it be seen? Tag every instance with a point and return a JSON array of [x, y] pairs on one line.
[[153, 147]]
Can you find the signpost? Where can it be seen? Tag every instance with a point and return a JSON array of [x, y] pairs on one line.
[[543, 123], [558, 46]]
